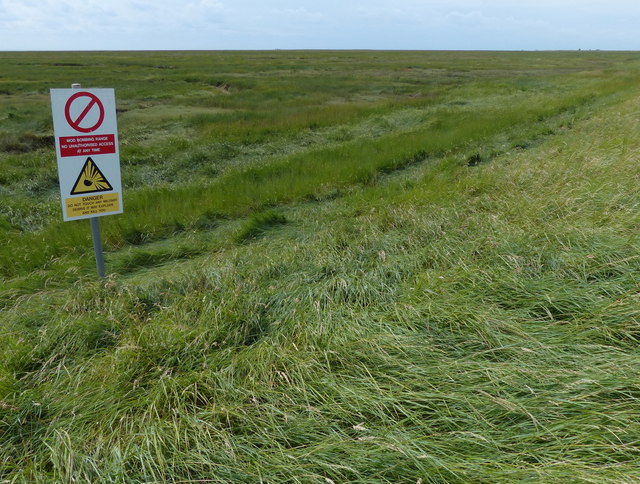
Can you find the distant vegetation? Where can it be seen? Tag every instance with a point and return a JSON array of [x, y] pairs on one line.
[[332, 267]]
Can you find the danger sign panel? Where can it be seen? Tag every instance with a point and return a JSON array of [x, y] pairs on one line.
[[92, 206], [86, 136]]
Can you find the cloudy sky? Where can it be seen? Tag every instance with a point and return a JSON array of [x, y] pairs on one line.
[[321, 24]]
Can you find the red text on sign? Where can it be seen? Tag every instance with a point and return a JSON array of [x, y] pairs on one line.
[[103, 144]]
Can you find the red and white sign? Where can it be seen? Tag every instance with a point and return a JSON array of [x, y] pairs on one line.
[[86, 135], [87, 145]]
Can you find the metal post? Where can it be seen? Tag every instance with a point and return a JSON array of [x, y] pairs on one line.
[[95, 230], [97, 245]]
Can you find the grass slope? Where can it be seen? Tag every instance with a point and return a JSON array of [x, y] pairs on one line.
[[466, 315]]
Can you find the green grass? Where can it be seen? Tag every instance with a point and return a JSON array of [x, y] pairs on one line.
[[424, 289], [159, 212]]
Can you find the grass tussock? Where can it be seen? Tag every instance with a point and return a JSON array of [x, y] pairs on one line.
[[257, 224]]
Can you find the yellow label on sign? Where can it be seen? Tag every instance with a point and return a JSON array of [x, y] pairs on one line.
[[92, 205]]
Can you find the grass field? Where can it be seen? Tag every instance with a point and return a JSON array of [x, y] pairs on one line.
[[332, 267]]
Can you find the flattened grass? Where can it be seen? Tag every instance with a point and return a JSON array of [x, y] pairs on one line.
[[160, 212], [471, 319]]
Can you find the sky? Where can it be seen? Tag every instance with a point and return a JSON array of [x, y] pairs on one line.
[[321, 24]]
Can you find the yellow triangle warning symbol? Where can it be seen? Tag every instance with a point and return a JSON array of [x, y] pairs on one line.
[[90, 180]]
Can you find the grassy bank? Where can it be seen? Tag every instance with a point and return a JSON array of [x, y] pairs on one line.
[[434, 293]]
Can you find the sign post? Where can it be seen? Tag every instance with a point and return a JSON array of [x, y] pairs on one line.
[[86, 137]]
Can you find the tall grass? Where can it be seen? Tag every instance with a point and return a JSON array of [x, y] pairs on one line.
[[480, 329], [160, 212], [472, 318]]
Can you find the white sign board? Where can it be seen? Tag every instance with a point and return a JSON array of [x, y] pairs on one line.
[[86, 135]]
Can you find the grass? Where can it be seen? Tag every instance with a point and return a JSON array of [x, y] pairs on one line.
[[436, 291], [258, 224], [312, 173]]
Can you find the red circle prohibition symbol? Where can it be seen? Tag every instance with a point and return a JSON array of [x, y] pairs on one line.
[[75, 123]]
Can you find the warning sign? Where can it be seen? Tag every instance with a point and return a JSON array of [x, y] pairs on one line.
[[86, 135], [92, 205], [90, 180]]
